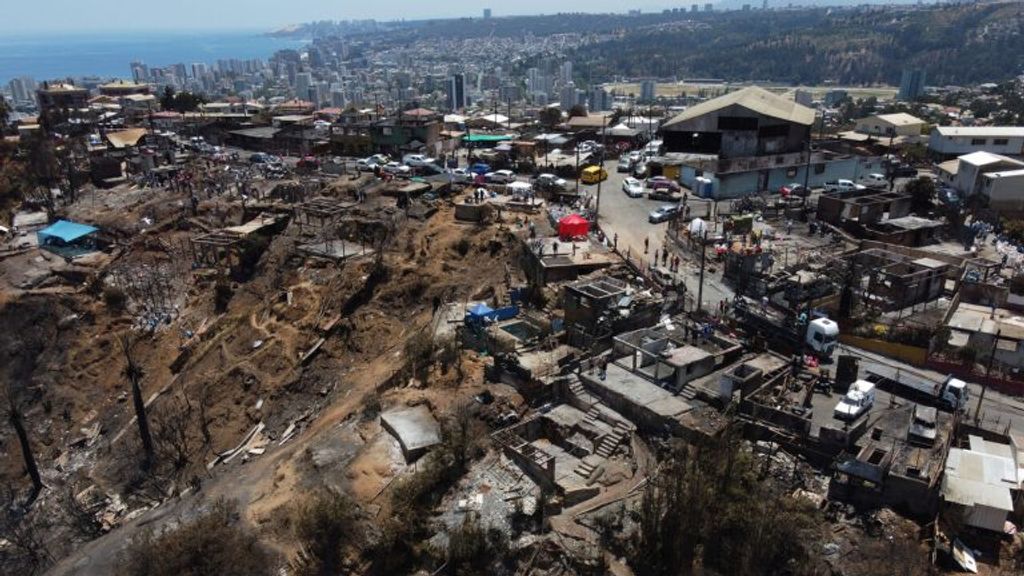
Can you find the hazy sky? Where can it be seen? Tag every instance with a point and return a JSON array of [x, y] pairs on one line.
[[92, 15]]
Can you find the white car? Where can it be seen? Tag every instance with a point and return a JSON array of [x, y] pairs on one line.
[[365, 165], [396, 169], [500, 176], [633, 187], [550, 181], [461, 175], [417, 160]]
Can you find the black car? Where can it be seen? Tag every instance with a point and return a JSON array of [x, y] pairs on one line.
[[903, 171]]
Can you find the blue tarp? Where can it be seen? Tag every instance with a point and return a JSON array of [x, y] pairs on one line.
[[480, 310], [67, 231]]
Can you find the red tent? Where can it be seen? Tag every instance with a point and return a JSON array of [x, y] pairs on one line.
[[572, 226]]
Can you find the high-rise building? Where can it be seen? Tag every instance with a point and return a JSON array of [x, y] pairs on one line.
[[199, 69], [566, 72], [709, 7], [140, 72], [456, 91], [647, 91], [568, 96], [303, 80], [23, 89], [911, 84], [487, 13], [600, 100], [695, 8]]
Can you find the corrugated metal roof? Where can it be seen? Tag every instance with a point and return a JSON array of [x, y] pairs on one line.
[[755, 99], [981, 131], [126, 138]]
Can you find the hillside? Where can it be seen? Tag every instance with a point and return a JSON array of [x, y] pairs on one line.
[[955, 45]]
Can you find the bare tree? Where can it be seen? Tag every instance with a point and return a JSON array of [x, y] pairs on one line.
[[133, 372], [14, 415], [172, 426]]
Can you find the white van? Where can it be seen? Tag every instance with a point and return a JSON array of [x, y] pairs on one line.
[[874, 181], [858, 400]]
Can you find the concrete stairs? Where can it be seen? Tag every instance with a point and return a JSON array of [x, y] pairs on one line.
[[611, 442], [585, 469], [592, 415], [576, 387], [688, 392]]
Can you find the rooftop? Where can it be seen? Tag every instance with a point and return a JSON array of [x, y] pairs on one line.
[[979, 131], [755, 99]]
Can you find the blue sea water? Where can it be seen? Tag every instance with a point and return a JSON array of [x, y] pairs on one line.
[[51, 55]]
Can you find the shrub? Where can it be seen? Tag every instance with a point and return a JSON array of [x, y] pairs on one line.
[[115, 298], [214, 544]]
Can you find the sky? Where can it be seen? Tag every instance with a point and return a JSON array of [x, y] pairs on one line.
[[23, 16]]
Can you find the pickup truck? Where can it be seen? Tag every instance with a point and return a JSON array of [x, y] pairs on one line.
[[842, 186]]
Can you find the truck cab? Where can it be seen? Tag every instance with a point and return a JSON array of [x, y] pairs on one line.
[[857, 401], [955, 394], [822, 336]]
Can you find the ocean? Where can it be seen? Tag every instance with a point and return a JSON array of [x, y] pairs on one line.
[[52, 56]]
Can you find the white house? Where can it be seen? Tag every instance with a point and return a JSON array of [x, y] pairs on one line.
[[980, 481], [890, 125], [950, 141], [999, 178]]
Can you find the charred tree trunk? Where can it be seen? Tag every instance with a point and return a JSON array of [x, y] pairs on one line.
[[26, 447], [134, 374]]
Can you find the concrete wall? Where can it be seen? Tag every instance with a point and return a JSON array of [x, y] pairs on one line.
[[1005, 193], [738, 184]]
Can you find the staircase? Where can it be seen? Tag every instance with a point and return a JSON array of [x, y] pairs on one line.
[[585, 469], [611, 441], [688, 392], [592, 415], [576, 387]]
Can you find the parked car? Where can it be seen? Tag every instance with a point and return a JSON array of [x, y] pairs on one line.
[[793, 189], [258, 158], [633, 187], [550, 182], [416, 160], [874, 181], [480, 168], [396, 169], [903, 171], [311, 162], [640, 170], [636, 156], [665, 278], [593, 175], [842, 186], [500, 176], [663, 213], [662, 183], [461, 175], [625, 163]]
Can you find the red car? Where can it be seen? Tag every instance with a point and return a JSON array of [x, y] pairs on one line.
[[792, 189], [309, 162], [662, 183]]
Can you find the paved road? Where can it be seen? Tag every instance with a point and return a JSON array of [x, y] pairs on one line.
[[627, 217], [996, 409]]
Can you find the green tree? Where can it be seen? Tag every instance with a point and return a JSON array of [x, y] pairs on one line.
[[921, 191], [167, 99], [5, 116], [550, 117]]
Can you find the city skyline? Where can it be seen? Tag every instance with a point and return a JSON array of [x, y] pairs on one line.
[[191, 15]]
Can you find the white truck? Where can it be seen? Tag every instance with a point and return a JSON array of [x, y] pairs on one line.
[[950, 394], [857, 401], [787, 334], [842, 185]]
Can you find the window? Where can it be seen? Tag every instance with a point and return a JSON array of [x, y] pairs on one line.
[[780, 159], [1000, 141], [978, 141], [819, 168]]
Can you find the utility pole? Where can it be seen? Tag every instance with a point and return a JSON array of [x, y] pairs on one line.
[[700, 287], [600, 157], [988, 371], [577, 170]]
